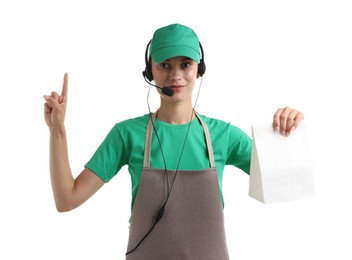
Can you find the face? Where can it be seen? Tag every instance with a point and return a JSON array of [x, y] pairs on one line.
[[178, 73]]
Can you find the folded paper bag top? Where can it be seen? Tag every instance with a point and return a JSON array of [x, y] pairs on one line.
[[281, 167]]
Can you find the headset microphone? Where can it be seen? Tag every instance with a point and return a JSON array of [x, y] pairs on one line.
[[165, 90]]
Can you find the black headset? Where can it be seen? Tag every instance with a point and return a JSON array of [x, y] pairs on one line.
[[147, 73]]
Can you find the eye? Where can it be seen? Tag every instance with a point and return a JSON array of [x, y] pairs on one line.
[[163, 65], [186, 64]]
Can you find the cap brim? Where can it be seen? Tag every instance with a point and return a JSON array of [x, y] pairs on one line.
[[175, 51]]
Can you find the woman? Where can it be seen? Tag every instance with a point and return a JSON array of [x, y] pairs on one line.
[[175, 157]]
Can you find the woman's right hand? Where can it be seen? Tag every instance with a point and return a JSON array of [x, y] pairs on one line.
[[55, 106]]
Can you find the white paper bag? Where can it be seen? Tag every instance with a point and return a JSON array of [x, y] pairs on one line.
[[281, 167]]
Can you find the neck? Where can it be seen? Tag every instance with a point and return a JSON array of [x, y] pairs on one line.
[[175, 114]]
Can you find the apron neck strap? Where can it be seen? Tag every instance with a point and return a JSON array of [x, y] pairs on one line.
[[148, 140]]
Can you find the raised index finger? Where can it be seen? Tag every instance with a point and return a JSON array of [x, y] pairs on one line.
[[64, 88]]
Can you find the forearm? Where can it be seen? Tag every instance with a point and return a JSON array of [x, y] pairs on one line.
[[68, 192], [62, 180]]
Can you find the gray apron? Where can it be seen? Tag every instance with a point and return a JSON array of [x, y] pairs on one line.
[[192, 226]]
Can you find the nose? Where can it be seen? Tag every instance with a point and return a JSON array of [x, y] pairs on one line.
[[175, 74]]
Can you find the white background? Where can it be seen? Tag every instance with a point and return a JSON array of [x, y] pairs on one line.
[[260, 55]]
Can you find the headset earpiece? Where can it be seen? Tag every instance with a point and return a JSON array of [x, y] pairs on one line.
[[201, 65], [147, 73]]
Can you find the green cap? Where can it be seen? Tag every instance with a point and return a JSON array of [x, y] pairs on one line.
[[172, 41]]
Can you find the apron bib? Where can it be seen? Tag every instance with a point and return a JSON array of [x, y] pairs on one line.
[[192, 226]]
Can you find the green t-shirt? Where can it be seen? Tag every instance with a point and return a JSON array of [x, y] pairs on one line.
[[124, 145]]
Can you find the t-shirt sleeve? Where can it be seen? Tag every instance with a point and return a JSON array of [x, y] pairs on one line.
[[239, 149], [110, 156]]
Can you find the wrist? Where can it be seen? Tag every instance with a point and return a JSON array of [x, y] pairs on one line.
[[58, 130]]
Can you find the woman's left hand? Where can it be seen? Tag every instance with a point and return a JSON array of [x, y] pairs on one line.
[[287, 120]]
